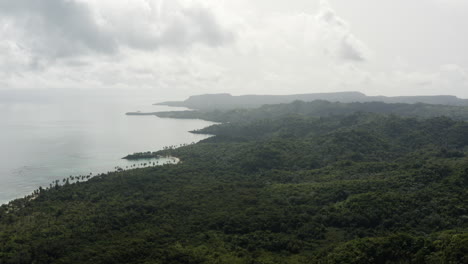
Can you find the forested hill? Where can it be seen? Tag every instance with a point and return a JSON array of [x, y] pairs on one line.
[[323, 109], [227, 101], [292, 188]]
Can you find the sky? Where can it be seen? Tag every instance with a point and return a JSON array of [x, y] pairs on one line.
[[178, 48]]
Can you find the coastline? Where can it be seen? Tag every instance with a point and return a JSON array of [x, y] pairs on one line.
[[100, 154]]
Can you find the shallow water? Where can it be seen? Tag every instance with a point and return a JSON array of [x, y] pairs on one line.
[[46, 140]]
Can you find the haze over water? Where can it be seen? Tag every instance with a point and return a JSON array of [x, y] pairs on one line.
[[45, 139]]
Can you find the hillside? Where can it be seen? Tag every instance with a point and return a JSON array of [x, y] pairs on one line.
[[320, 108], [227, 101], [287, 187]]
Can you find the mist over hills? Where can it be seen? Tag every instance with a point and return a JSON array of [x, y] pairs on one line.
[[227, 101], [319, 108]]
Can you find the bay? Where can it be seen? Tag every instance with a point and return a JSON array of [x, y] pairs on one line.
[[52, 138]]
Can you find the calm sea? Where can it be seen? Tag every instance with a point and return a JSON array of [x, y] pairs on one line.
[[46, 138]]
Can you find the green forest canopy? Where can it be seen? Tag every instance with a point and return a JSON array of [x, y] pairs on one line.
[[227, 101], [276, 185], [321, 109]]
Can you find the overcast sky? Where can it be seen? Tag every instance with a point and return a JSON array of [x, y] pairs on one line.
[[185, 47]]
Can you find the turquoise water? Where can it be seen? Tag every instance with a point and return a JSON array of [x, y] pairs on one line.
[[49, 139]]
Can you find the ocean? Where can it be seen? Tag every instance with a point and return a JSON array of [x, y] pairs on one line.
[[50, 136]]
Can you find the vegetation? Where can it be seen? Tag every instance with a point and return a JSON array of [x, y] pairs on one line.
[[322, 109], [287, 187], [226, 101]]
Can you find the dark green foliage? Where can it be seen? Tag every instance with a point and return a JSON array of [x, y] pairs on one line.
[[361, 188], [227, 101], [323, 109]]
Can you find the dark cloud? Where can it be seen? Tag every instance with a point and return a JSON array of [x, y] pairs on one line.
[[63, 28], [58, 28]]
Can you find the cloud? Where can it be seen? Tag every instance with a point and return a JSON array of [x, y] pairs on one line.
[[196, 24], [450, 2], [337, 36], [449, 79], [159, 24], [184, 47], [56, 28], [52, 29], [12, 59]]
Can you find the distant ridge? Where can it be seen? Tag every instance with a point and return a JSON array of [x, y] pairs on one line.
[[227, 101]]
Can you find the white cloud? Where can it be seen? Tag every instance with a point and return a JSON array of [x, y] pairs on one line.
[[450, 2], [150, 25], [273, 53], [448, 79], [184, 47], [337, 36], [62, 28]]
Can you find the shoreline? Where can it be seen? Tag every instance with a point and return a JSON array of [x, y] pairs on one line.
[[73, 179], [58, 173]]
